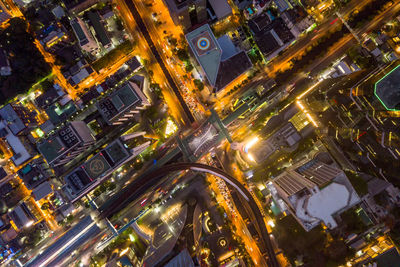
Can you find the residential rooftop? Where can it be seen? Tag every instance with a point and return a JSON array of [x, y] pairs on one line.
[[10, 116], [79, 32], [101, 33], [270, 35]]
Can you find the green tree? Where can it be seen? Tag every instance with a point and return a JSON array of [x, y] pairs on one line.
[[182, 54], [70, 218], [198, 84], [45, 206], [189, 67]]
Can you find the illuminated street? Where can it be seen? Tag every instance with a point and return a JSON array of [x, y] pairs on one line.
[[199, 133]]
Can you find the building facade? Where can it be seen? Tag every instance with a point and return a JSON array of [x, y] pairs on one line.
[[187, 13], [122, 104], [66, 144]]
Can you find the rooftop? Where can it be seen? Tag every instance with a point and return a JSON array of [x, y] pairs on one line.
[[221, 8], [270, 35], [101, 33], [49, 97], [60, 143], [120, 100], [42, 191], [14, 122], [58, 113], [96, 166], [207, 50], [116, 152], [324, 203], [387, 90], [33, 174], [19, 146], [51, 148], [80, 34], [317, 172], [389, 258], [221, 61]]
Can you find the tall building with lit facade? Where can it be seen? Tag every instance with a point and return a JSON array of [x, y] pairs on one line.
[[122, 104], [362, 119], [66, 143], [187, 13], [99, 167]]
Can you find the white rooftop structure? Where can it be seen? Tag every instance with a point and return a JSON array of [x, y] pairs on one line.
[[322, 204], [21, 153], [315, 192]]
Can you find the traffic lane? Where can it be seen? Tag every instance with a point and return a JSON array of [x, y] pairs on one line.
[[146, 34], [174, 106], [148, 180]]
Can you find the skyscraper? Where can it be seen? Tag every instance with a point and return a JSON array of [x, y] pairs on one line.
[[66, 144], [187, 12]]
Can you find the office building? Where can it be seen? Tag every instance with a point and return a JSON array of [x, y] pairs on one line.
[[121, 105], [363, 121], [315, 193], [66, 144], [97, 168], [187, 13], [84, 37], [220, 60], [387, 90]]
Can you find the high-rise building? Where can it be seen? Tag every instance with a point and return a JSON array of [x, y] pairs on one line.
[[66, 144], [187, 12], [363, 120], [220, 60], [93, 171], [122, 104], [315, 192]]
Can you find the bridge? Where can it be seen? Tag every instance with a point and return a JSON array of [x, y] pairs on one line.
[[147, 181]]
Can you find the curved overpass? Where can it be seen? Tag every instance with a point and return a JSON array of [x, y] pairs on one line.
[[146, 181]]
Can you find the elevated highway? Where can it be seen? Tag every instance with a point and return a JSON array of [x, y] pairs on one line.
[[148, 180]]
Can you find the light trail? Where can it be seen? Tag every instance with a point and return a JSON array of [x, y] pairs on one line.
[[56, 253]]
